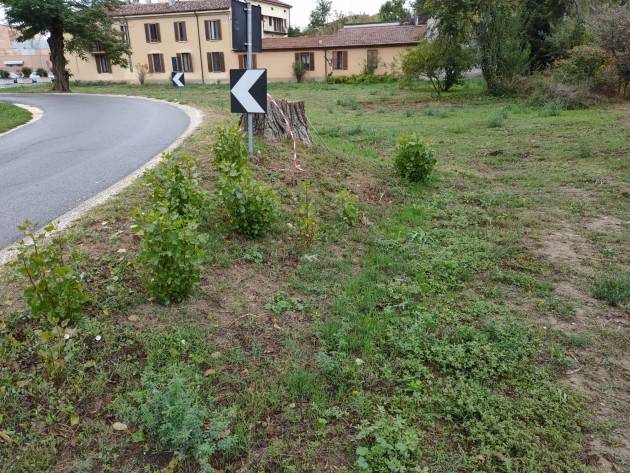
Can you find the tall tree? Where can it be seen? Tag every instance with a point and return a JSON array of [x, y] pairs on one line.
[[320, 14], [393, 10], [72, 26]]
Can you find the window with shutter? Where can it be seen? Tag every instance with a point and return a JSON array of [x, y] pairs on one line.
[[213, 30], [372, 59], [180, 31], [308, 59], [340, 60], [216, 62], [184, 62], [103, 64], [152, 32], [156, 63]]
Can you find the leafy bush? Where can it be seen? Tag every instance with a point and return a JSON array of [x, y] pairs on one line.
[[41, 72], [54, 289], [306, 218], [171, 251], [250, 205], [614, 289], [348, 207], [442, 61], [362, 79], [299, 71], [552, 109], [584, 65], [26, 71], [168, 410], [388, 445], [4, 74], [414, 159], [230, 151], [497, 118], [175, 183]]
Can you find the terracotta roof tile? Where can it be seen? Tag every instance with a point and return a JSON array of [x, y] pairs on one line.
[[181, 6], [349, 37], [164, 8]]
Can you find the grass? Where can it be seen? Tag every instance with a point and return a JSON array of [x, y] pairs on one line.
[[614, 289], [12, 116], [452, 329]]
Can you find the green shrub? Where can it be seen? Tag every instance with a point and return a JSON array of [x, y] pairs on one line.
[[26, 71], [348, 207], [306, 218], [614, 289], [41, 72], [584, 150], [230, 151], [497, 118], [250, 205], [552, 109], [4, 74], [54, 290], [169, 411], [348, 102], [388, 445], [175, 183], [361, 79], [299, 71], [171, 251], [414, 159], [584, 65]]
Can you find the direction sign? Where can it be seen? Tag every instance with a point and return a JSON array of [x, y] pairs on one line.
[[239, 27], [248, 90], [178, 79]]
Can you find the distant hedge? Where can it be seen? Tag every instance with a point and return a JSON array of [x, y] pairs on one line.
[[361, 79]]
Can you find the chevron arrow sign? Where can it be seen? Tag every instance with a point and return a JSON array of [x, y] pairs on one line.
[[248, 90], [178, 79]]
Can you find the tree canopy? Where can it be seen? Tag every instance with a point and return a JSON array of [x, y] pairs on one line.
[[393, 10], [72, 26], [320, 14]]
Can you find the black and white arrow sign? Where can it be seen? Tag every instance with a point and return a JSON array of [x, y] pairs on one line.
[[248, 90], [178, 79]]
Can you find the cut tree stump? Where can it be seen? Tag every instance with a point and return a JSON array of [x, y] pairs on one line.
[[273, 126]]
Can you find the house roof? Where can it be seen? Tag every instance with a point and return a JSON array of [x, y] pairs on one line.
[[351, 37], [183, 6]]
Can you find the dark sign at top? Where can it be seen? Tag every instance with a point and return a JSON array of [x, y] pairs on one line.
[[239, 27]]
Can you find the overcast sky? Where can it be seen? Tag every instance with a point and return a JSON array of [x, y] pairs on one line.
[[302, 8]]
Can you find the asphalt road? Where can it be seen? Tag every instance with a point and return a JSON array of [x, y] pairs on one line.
[[81, 146]]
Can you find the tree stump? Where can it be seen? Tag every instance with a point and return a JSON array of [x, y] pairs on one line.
[[284, 120]]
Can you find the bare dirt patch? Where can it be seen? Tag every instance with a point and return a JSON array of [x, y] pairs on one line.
[[564, 247]]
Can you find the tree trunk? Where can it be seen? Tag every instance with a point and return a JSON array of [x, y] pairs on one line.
[[58, 58], [284, 120]]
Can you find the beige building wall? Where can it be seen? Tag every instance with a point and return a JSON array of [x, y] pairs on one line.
[[168, 47], [279, 64]]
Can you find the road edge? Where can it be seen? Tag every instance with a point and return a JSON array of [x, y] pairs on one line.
[[196, 117], [36, 114]]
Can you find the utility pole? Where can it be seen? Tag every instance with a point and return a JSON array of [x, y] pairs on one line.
[[250, 65]]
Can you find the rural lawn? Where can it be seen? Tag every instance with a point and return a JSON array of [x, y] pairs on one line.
[[475, 323], [12, 116]]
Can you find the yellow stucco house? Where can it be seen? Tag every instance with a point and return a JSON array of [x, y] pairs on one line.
[[194, 36]]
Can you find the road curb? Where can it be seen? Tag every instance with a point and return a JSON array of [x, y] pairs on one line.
[[36, 114], [64, 221]]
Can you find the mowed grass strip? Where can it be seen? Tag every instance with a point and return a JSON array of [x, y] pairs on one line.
[[445, 332], [12, 116]]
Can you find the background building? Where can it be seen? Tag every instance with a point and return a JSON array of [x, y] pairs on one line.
[[195, 37], [15, 54]]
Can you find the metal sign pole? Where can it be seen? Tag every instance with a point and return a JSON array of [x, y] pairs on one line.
[[250, 65]]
